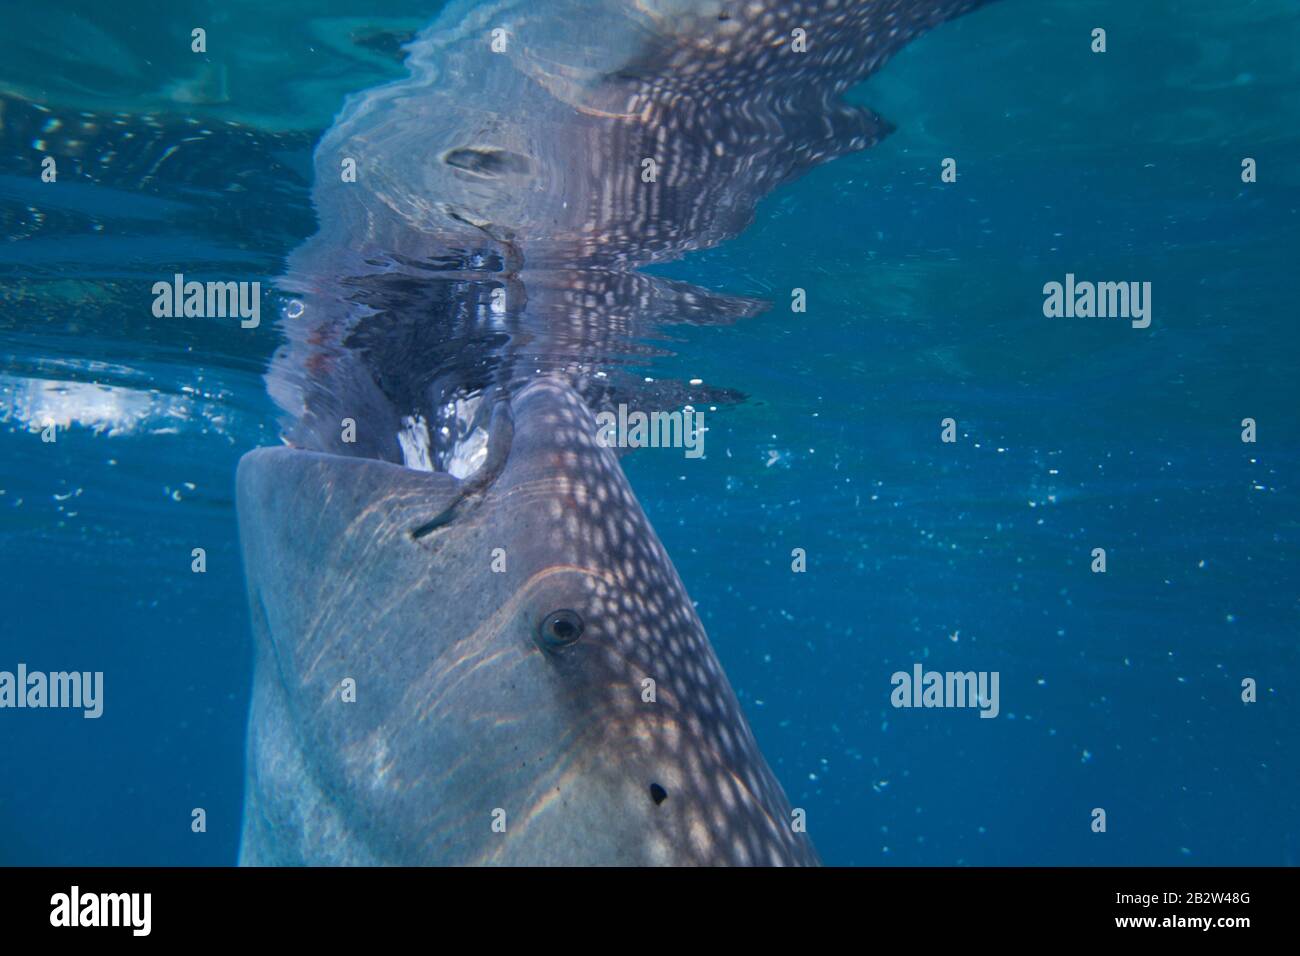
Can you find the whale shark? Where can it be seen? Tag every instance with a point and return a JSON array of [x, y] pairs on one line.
[[472, 647], [570, 697]]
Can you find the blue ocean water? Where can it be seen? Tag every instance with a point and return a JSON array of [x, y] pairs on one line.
[[1120, 691]]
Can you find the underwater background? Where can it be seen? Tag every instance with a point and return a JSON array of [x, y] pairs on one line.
[[1120, 690]]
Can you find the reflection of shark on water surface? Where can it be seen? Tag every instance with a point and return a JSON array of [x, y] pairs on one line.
[[472, 647]]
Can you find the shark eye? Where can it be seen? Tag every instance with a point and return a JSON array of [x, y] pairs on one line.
[[561, 628]]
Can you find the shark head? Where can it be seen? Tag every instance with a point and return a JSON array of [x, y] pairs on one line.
[[504, 668]]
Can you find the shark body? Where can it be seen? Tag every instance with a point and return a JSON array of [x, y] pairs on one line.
[[472, 647]]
